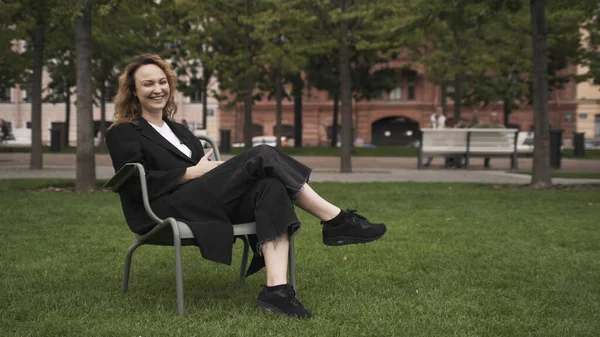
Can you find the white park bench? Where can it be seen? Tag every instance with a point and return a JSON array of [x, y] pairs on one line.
[[22, 138], [468, 143]]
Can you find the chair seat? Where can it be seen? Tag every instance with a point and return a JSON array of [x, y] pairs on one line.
[[238, 229]]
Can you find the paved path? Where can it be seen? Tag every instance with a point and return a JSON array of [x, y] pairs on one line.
[[15, 165]]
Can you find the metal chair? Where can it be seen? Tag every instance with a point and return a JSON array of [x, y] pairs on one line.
[[170, 232]]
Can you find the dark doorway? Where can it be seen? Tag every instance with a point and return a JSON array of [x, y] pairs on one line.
[[395, 131]]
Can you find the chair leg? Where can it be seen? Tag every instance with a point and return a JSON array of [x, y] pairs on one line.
[[179, 278], [292, 263], [244, 258], [127, 265]]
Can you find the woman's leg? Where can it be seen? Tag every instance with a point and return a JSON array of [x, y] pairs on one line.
[[310, 201], [339, 227], [276, 260], [267, 203]]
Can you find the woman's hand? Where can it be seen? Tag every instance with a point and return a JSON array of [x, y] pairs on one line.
[[203, 166]]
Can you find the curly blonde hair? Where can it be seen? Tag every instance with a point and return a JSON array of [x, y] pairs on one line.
[[127, 105]]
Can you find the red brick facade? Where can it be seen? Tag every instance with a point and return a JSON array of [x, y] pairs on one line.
[[317, 112]]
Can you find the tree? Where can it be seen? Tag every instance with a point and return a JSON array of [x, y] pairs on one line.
[[230, 30], [120, 31], [60, 65], [281, 29], [85, 156], [542, 175], [452, 41], [350, 27], [13, 65], [322, 72], [32, 20], [192, 54]]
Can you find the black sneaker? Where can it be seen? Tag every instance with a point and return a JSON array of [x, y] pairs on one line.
[[355, 229], [283, 302]]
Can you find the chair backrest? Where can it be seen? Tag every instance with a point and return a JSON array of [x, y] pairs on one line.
[[213, 144]]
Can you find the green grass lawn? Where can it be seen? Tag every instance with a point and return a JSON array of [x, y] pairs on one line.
[[458, 260], [562, 174]]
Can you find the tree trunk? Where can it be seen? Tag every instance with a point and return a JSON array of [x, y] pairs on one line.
[[278, 107], [346, 93], [457, 99], [67, 117], [206, 75], [507, 106], [297, 92], [542, 174], [444, 99], [101, 143], [85, 158], [334, 123], [248, 113], [37, 37]]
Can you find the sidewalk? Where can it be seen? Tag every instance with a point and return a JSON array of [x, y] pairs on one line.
[[365, 169]]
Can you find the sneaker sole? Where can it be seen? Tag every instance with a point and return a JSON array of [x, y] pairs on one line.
[[346, 240], [266, 307]]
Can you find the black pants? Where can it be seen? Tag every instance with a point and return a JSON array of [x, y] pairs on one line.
[[259, 184]]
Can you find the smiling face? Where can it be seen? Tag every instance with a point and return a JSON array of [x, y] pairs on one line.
[[151, 89]]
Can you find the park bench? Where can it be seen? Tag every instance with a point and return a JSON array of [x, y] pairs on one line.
[[21, 137], [482, 142]]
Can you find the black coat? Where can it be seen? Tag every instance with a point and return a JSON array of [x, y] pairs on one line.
[[208, 203], [165, 165]]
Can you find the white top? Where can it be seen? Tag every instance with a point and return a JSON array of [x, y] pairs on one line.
[[168, 134], [439, 122]]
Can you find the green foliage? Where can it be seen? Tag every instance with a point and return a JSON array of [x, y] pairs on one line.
[[12, 65], [122, 30]]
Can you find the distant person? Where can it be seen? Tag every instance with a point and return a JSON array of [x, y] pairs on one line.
[[437, 121], [4, 130]]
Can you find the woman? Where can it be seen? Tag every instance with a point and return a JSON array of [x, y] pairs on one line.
[[260, 184]]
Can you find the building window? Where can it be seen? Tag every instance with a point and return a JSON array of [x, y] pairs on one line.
[[395, 94], [196, 97], [412, 83], [5, 96], [597, 126]]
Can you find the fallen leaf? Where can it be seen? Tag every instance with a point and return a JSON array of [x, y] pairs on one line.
[[345, 258], [418, 225], [589, 203], [417, 291]]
